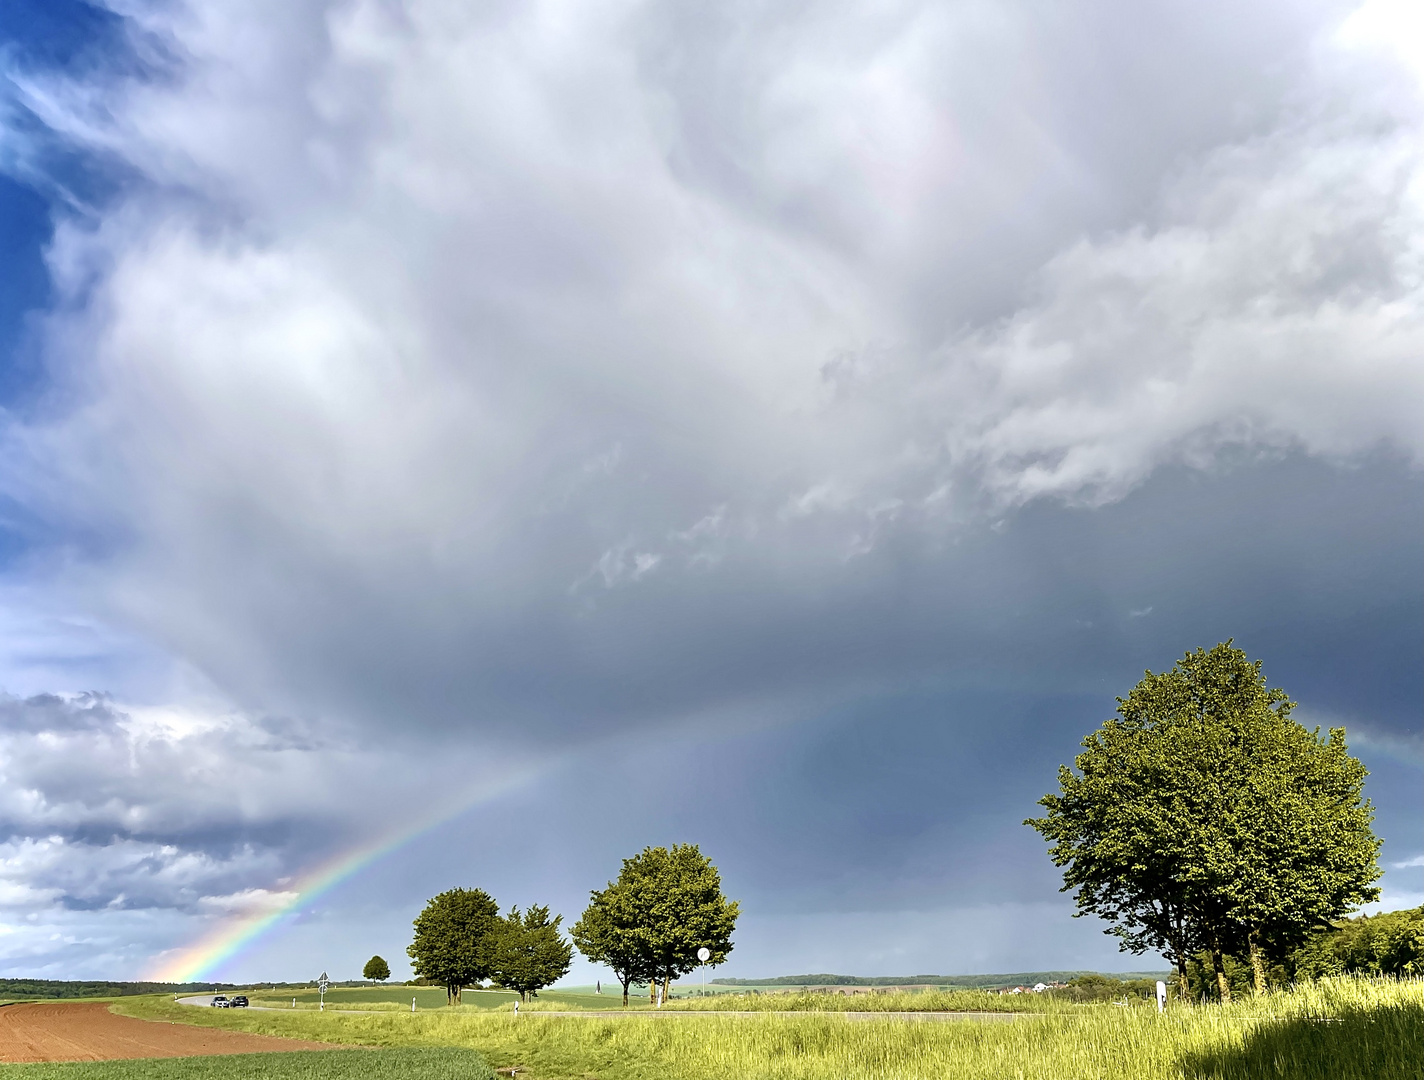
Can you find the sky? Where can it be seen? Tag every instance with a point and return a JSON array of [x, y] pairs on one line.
[[450, 444]]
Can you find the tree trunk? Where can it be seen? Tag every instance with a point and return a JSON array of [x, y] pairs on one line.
[[1223, 987], [1179, 959], [1258, 965], [666, 980], [625, 991]]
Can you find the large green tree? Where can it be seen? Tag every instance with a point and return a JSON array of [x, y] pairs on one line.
[[1204, 818], [607, 933], [453, 939], [677, 908], [527, 951]]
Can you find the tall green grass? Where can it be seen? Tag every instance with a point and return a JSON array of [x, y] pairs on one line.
[[895, 1001], [1341, 1029]]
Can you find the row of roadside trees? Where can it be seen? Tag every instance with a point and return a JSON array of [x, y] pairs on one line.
[[1203, 821], [461, 940], [648, 926]]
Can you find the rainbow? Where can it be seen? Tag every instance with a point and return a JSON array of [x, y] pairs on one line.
[[233, 936]]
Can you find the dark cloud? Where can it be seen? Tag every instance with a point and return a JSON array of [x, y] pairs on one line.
[[799, 423]]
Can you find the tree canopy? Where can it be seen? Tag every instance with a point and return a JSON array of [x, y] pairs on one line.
[[452, 946], [1390, 943], [376, 969], [649, 924], [1203, 818], [606, 933], [527, 951]]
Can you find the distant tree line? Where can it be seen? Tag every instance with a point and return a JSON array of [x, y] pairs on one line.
[[648, 926], [52, 988], [952, 982], [1094, 987], [1205, 823]]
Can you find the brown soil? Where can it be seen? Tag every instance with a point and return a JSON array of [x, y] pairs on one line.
[[88, 1031]]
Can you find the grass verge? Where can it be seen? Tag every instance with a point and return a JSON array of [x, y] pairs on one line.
[[1342, 1029]]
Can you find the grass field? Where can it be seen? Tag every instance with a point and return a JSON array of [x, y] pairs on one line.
[[398, 999], [929, 1000], [1334, 1030], [427, 998], [442, 1063]]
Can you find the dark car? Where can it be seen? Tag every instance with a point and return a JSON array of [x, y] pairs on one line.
[[238, 1002], [219, 1002]]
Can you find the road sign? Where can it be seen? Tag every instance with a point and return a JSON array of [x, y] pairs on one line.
[[704, 954]]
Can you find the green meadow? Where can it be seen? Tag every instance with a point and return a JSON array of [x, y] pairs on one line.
[[1339, 1029], [427, 998], [581, 999]]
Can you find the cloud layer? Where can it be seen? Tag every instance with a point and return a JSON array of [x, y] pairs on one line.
[[476, 377]]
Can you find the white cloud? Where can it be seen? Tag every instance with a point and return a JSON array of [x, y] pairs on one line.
[[405, 319], [418, 326]]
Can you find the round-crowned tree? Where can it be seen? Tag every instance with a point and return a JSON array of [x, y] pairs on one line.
[[376, 969], [1204, 818], [453, 939]]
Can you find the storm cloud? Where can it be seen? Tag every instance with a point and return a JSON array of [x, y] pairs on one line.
[[857, 396]]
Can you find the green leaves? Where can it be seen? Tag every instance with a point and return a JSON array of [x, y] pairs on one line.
[[1391, 943], [649, 924], [527, 952], [607, 933], [376, 969], [1204, 817], [450, 945]]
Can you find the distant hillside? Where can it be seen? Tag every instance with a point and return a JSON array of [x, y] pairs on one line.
[[52, 988], [1022, 978]]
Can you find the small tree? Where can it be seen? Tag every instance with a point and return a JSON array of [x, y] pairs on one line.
[[608, 933], [527, 951], [451, 947], [376, 969]]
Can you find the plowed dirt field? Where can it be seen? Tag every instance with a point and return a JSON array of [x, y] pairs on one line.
[[88, 1031]]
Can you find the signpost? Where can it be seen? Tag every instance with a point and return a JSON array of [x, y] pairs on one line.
[[703, 955], [321, 985]]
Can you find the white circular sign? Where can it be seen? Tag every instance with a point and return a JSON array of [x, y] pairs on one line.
[[704, 954]]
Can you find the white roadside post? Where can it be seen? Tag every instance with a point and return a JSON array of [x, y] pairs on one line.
[[703, 955], [412, 1004], [321, 990], [1161, 995]]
